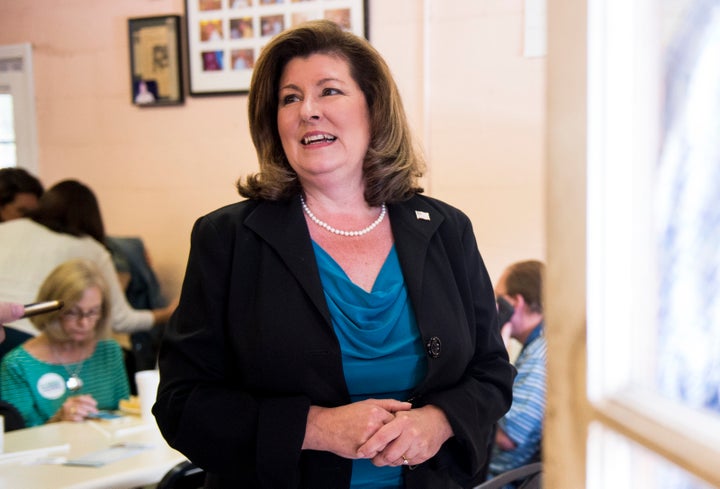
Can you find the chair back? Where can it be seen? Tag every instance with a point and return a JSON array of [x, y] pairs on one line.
[[528, 476], [13, 337], [184, 475], [12, 418]]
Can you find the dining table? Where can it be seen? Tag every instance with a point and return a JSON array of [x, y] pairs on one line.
[[120, 453]]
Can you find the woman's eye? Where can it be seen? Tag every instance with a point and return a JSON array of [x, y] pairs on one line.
[[330, 91], [288, 99]]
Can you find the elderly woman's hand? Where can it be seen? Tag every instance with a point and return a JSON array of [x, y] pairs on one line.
[[343, 429], [411, 438], [76, 408]]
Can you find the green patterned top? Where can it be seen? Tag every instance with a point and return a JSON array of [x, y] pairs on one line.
[[37, 389]]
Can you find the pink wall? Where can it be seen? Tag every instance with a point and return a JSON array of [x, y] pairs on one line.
[[479, 115]]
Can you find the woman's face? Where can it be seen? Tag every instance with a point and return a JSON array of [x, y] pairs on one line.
[[80, 320], [22, 204], [323, 120]]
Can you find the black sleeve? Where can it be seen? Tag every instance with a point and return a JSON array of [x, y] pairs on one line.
[[202, 408]]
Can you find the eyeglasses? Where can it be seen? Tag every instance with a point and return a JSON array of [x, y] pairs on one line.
[[76, 314]]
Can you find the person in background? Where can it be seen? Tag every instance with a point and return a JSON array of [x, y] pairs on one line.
[[19, 193], [66, 225], [336, 329], [142, 291], [70, 370], [519, 433]]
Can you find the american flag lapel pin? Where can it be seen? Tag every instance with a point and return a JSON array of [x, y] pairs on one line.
[[425, 216]]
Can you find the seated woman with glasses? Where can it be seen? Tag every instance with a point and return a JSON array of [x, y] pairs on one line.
[[70, 370]]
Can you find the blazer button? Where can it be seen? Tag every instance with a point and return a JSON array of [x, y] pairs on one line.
[[434, 345]]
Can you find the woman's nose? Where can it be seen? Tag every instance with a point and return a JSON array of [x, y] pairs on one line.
[[310, 109]]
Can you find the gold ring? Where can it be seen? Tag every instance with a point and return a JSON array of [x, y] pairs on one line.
[[405, 461]]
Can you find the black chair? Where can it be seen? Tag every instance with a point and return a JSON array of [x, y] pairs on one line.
[[184, 475], [529, 476], [12, 417], [13, 338]]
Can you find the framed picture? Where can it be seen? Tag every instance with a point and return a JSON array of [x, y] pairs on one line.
[[155, 69], [225, 37]]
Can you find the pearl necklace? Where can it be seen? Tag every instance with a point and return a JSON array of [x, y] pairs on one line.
[[323, 224]]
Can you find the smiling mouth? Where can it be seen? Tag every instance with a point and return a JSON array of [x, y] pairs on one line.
[[318, 138]]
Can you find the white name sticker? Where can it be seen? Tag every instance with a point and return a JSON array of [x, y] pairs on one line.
[[51, 386]]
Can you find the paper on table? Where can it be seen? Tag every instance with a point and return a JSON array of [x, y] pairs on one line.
[[35, 452], [109, 455]]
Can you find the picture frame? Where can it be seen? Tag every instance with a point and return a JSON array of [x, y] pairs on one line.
[[156, 61], [225, 37]]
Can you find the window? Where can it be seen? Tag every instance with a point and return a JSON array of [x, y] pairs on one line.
[[653, 259], [8, 153], [18, 141], [613, 422]]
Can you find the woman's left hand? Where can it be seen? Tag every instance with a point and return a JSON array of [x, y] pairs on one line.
[[410, 439]]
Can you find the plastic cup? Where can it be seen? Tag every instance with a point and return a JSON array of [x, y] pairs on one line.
[[147, 385]]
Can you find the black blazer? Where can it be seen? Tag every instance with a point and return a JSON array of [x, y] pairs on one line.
[[251, 346]]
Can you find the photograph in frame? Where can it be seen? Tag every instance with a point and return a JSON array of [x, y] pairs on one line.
[[225, 37], [155, 61]]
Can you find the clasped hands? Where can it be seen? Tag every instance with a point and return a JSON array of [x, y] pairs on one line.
[[387, 431]]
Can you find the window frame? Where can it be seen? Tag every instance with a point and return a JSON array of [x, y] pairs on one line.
[[19, 83]]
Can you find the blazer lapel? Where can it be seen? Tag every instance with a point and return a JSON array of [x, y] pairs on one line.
[[282, 226], [414, 222]]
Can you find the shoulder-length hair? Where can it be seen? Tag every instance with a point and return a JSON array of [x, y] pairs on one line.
[[392, 166], [67, 283], [70, 207]]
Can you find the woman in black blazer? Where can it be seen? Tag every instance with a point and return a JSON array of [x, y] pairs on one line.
[[336, 329]]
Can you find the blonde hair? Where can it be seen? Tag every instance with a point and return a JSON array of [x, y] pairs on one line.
[[67, 283]]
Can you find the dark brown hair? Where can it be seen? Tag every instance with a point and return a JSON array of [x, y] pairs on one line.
[[392, 164], [526, 279], [15, 181], [70, 207]]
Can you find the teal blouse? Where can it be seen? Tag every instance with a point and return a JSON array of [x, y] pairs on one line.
[[382, 351], [37, 389]]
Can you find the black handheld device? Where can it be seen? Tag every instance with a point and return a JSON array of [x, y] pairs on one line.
[[505, 311]]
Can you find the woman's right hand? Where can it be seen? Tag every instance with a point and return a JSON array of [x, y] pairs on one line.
[[162, 316], [343, 429], [76, 408]]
